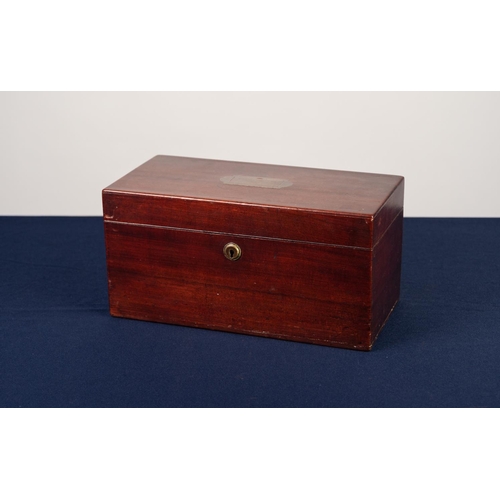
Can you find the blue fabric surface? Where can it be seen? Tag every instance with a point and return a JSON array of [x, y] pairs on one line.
[[59, 347]]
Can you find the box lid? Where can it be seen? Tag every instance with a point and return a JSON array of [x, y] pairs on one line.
[[272, 201]]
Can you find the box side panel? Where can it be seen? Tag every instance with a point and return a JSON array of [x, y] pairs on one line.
[[388, 212], [290, 290], [237, 218], [386, 274]]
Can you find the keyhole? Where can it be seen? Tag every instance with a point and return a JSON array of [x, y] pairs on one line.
[[232, 251]]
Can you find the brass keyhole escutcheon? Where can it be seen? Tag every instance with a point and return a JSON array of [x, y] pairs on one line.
[[232, 251]]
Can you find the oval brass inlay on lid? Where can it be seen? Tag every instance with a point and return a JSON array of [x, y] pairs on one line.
[[232, 251], [262, 182]]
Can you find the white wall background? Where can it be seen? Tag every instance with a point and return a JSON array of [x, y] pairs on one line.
[[59, 149]]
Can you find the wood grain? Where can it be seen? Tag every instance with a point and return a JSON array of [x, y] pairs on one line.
[[312, 189], [386, 275], [321, 252], [293, 290]]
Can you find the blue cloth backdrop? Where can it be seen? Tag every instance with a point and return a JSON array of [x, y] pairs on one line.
[[59, 347]]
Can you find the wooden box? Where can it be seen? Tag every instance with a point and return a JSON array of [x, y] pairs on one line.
[[291, 253]]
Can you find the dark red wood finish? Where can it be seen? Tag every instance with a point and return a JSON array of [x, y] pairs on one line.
[[320, 258], [386, 275]]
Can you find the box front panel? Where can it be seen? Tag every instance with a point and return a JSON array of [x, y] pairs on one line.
[[291, 290]]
